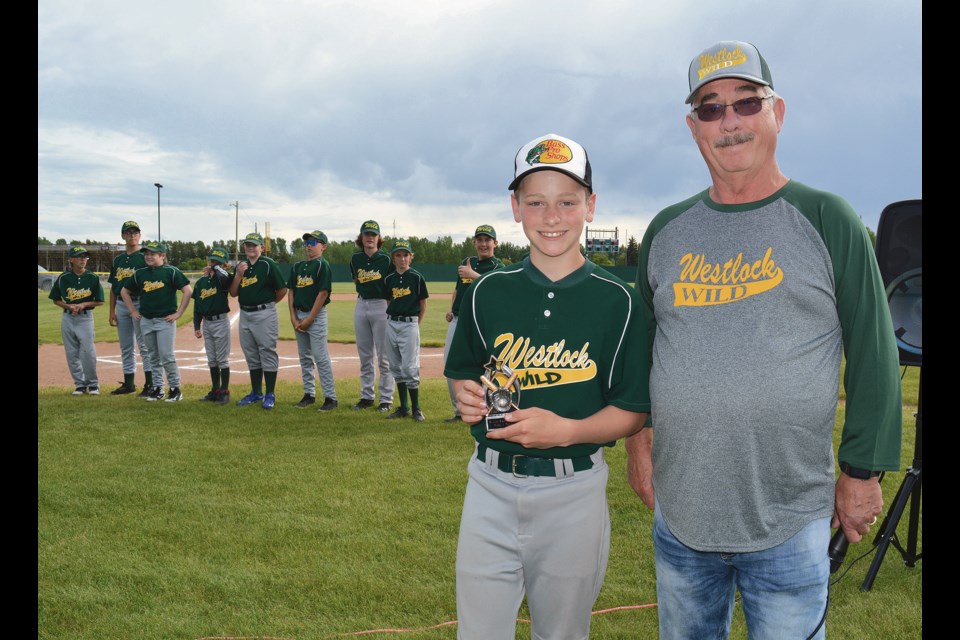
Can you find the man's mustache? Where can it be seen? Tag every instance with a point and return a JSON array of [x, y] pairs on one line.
[[736, 138]]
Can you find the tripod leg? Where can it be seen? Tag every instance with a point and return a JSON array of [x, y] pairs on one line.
[[889, 526], [911, 557]]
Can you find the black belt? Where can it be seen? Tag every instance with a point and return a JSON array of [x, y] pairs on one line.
[[302, 309], [403, 318], [81, 311], [216, 317], [134, 298], [521, 465], [259, 307]]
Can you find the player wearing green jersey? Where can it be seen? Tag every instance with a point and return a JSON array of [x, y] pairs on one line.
[[156, 285], [128, 329], [535, 517], [211, 321], [408, 305], [485, 242], [310, 284], [78, 292]]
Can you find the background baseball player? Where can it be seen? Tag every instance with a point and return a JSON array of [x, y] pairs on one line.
[[78, 291], [310, 284], [535, 517], [156, 285], [408, 305], [128, 329], [368, 267], [485, 242], [258, 285], [211, 321]]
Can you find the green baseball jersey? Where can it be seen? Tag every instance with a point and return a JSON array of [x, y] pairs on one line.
[[307, 279], [260, 283], [124, 266], [575, 344], [406, 290], [368, 273], [481, 267], [210, 298], [157, 288], [73, 289]]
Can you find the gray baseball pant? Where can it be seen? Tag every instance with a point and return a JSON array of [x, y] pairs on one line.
[[128, 329], [79, 347], [216, 341], [546, 536], [159, 335], [369, 327], [403, 351], [259, 332], [446, 351], [312, 347]]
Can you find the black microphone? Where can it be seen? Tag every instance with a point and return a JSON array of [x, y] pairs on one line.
[[837, 549]]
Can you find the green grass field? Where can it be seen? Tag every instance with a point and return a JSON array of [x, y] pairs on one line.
[[196, 521], [433, 331]]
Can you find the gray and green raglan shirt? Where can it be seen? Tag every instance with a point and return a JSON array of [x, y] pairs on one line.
[[749, 308]]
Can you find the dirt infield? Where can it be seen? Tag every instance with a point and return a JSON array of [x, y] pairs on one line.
[[52, 366]]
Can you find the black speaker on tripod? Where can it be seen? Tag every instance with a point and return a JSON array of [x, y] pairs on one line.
[[900, 256]]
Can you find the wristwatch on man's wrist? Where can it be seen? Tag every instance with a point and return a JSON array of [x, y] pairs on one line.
[[857, 472]]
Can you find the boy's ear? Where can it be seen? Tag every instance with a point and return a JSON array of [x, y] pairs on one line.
[[591, 207], [516, 207]]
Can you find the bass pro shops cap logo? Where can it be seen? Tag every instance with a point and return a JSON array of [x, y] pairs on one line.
[[549, 152]]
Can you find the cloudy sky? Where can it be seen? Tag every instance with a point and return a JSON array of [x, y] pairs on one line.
[[324, 113]]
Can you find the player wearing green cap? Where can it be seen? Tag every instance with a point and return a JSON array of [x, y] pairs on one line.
[[485, 242], [78, 291], [258, 285], [211, 321], [309, 285], [128, 329], [368, 267], [156, 285], [408, 305]]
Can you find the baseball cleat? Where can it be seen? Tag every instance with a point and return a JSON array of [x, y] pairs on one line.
[[94, 390], [250, 398], [268, 401], [455, 418], [223, 396], [123, 390], [306, 401], [210, 397], [399, 413], [79, 391], [155, 394], [418, 415], [174, 395], [384, 407], [143, 394], [329, 404], [363, 404]]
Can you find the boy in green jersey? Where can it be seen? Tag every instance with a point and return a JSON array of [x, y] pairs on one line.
[[211, 321], [78, 292], [405, 311]]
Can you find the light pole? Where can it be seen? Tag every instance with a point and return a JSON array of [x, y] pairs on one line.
[[158, 186]]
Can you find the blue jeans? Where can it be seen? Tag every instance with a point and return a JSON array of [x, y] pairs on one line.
[[783, 589]]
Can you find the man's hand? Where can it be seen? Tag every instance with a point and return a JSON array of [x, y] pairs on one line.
[[640, 465], [242, 269], [113, 318], [858, 504], [449, 316], [198, 333]]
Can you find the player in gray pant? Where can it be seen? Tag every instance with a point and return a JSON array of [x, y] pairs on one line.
[[370, 326], [78, 291], [259, 332]]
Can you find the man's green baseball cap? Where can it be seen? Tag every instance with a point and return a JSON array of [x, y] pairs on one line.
[[253, 238], [130, 224], [485, 230], [316, 235], [370, 226], [218, 255], [77, 251], [155, 247], [401, 245]]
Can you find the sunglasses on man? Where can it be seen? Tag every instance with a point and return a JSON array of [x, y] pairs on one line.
[[712, 111]]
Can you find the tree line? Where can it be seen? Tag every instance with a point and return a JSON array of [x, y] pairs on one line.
[[192, 256]]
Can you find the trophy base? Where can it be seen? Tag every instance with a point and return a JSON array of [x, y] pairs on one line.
[[496, 421]]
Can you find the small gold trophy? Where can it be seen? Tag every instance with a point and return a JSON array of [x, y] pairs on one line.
[[502, 392]]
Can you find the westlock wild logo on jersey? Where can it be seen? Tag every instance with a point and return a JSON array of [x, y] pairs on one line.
[[540, 366], [703, 283], [549, 151]]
